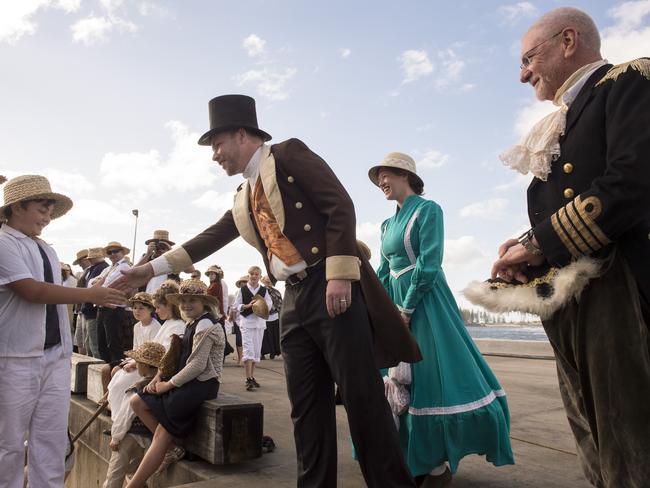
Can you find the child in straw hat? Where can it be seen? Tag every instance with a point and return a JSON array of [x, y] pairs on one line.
[[35, 339], [251, 324], [144, 330], [168, 406], [168, 313], [129, 437]]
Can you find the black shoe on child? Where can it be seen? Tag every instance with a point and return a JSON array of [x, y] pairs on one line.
[[255, 383], [249, 385]]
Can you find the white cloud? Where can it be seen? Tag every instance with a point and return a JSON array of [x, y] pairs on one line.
[[254, 45], [215, 201], [16, 17], [513, 13], [519, 182], [531, 113], [345, 52], [462, 252], [628, 38], [415, 65], [91, 30], [451, 67], [492, 209], [268, 82], [139, 174], [432, 159]]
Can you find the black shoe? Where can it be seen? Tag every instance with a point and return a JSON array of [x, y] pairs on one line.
[[272, 356], [249, 385], [106, 432], [255, 383]]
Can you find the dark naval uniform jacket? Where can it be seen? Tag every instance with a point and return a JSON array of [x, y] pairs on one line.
[[597, 195], [315, 213]]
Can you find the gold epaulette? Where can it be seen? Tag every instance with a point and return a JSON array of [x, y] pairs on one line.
[[642, 65]]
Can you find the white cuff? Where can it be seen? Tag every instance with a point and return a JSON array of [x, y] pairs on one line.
[[160, 266]]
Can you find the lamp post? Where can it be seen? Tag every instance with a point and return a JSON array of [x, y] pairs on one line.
[[135, 231]]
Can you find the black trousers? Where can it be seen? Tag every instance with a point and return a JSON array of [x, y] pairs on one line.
[[602, 348], [111, 336], [319, 351], [271, 339]]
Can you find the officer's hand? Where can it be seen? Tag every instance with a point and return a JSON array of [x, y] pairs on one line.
[[133, 278]]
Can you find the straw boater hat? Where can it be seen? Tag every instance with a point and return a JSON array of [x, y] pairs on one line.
[[160, 235], [96, 252], [396, 160], [241, 281], [215, 269], [33, 187], [142, 297], [193, 288], [150, 353], [260, 307], [229, 112], [83, 254], [116, 245]]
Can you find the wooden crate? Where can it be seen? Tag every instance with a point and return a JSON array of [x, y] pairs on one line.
[[79, 371], [228, 430], [94, 388]]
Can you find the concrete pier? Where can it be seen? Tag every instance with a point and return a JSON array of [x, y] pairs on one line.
[[543, 445]]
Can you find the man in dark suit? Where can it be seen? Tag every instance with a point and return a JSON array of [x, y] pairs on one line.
[[591, 200], [294, 210]]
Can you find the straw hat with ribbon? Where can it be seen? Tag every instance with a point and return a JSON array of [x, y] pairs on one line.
[[83, 254], [33, 187], [241, 281], [150, 353], [194, 289], [96, 252], [395, 160], [116, 245], [160, 235], [215, 269], [142, 297]]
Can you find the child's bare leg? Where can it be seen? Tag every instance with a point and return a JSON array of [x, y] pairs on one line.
[[106, 376], [144, 414], [248, 364], [240, 353], [153, 458]]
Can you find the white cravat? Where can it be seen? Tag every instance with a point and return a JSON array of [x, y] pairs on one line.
[[541, 146]]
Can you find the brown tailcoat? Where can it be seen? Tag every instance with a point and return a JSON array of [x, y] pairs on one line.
[[315, 212]]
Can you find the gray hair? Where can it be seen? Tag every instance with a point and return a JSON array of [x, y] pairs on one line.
[[561, 18]]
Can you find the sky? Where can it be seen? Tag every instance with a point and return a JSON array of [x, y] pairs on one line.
[[107, 98]]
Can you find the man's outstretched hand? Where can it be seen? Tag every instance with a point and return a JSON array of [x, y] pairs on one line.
[[133, 278]]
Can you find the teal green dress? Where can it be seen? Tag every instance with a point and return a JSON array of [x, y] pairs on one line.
[[457, 405]]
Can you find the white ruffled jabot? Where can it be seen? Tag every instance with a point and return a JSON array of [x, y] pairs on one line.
[[541, 146]]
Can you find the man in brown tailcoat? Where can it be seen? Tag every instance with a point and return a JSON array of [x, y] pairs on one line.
[[296, 212]]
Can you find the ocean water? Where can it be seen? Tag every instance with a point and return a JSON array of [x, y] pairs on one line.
[[524, 333]]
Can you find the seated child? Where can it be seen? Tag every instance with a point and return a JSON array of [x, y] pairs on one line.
[[168, 314], [168, 406], [145, 330], [130, 438]]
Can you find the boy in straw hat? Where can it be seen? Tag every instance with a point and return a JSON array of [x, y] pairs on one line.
[[156, 246], [35, 342], [129, 436], [251, 324]]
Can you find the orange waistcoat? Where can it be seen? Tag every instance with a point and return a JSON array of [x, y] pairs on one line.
[[276, 242]]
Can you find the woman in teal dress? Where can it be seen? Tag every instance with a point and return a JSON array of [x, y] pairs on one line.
[[457, 406]]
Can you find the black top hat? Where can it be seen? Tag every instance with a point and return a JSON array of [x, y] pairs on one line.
[[229, 112]]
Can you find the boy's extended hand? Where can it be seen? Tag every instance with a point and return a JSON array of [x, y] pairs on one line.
[[105, 297], [133, 278]]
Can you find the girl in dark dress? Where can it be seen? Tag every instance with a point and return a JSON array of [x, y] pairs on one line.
[[168, 406]]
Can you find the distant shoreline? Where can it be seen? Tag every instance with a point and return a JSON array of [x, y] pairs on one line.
[[507, 324]]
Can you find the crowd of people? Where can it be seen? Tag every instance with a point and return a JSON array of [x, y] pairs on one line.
[[418, 394]]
